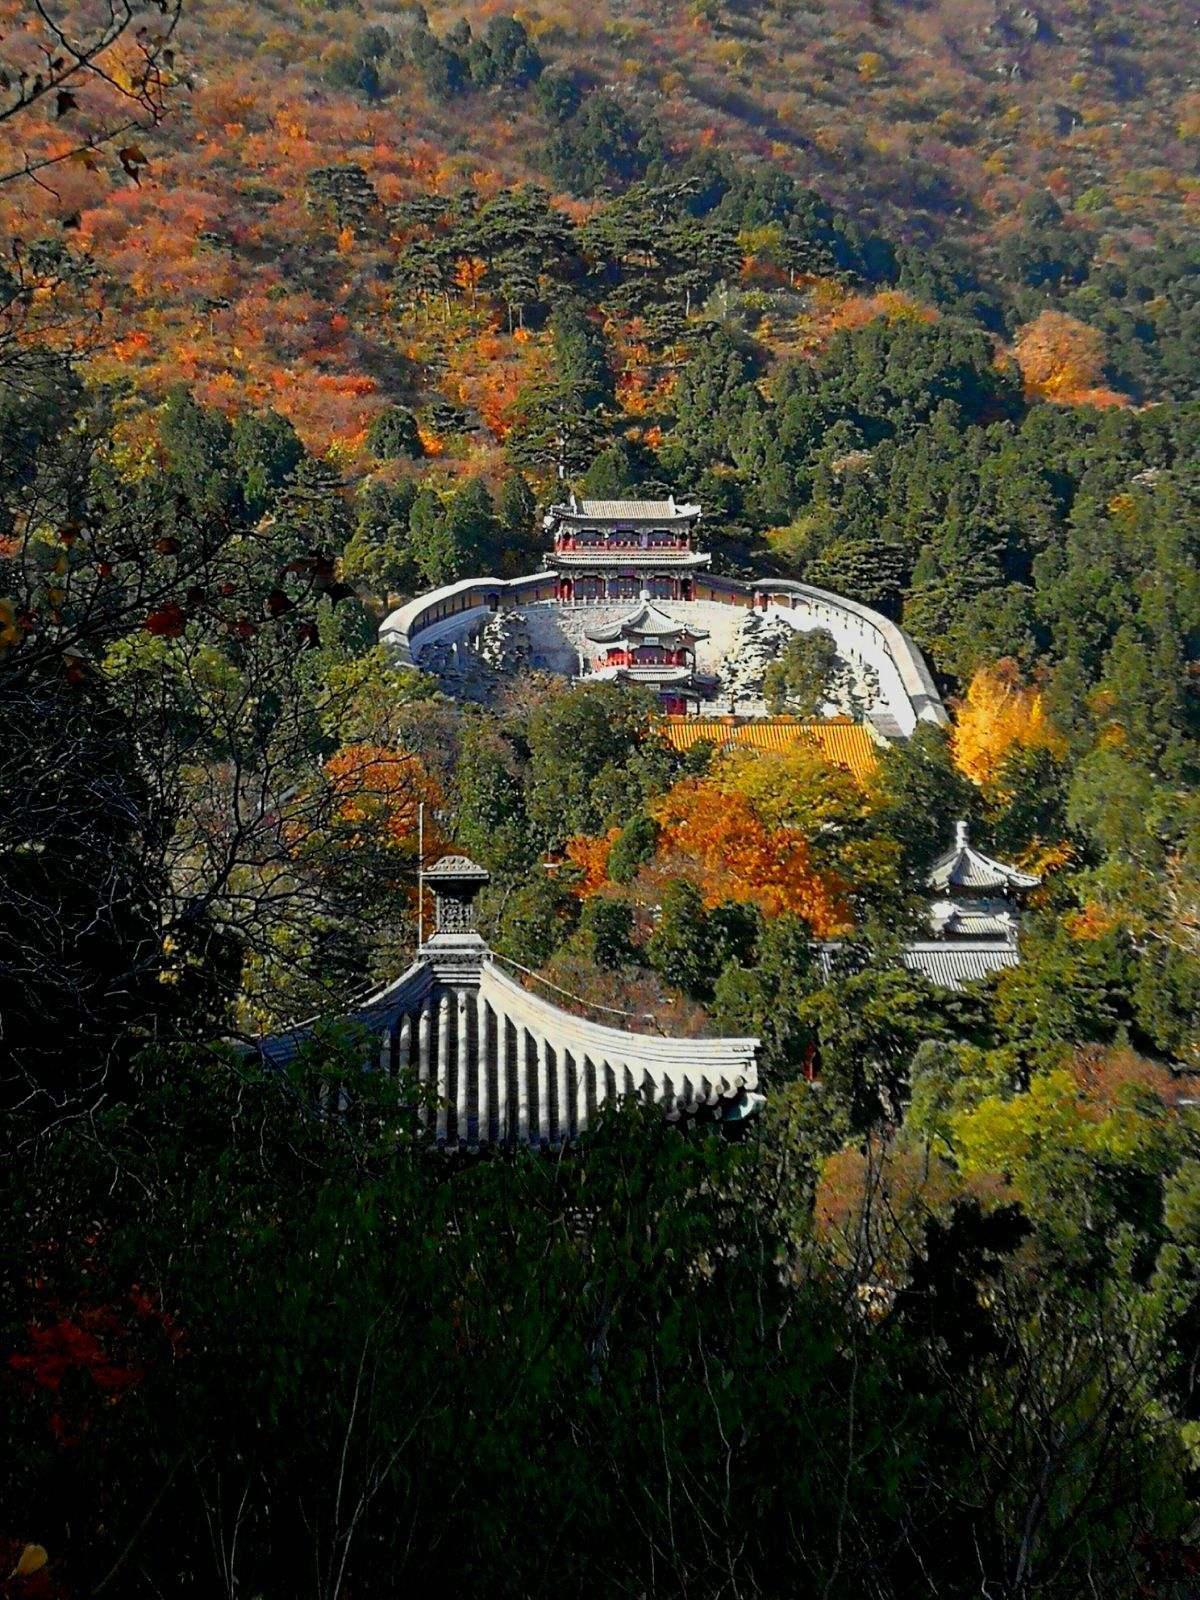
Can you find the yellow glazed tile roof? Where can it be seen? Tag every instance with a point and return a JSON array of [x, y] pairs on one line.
[[845, 744]]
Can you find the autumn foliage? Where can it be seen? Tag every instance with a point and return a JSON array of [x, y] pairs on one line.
[[719, 840], [378, 792], [591, 855], [1062, 360], [1000, 712], [744, 833]]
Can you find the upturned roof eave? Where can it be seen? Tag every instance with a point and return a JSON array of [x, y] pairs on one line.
[[602, 557], [968, 868]]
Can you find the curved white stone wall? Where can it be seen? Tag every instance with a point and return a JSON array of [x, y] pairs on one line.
[[906, 694], [864, 637]]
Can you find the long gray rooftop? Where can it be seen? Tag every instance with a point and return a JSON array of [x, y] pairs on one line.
[[503, 1065], [627, 510]]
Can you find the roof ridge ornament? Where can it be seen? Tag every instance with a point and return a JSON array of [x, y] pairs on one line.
[[456, 881]]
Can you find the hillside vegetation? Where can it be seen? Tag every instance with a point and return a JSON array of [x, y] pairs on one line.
[[1033, 153], [303, 311]]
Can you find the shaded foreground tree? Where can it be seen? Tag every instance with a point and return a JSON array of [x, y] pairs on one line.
[[173, 681], [259, 1349]]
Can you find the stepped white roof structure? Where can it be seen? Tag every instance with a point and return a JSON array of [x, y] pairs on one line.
[[964, 867], [611, 548], [621, 511], [505, 1066]]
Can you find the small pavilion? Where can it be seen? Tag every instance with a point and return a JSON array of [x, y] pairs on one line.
[[649, 647], [974, 915]]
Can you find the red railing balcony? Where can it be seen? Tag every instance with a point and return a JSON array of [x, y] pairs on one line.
[[570, 545], [643, 657]]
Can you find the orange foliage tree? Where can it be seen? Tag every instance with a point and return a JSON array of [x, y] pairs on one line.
[[892, 304], [733, 855], [377, 793], [1062, 359], [591, 855], [1000, 711]]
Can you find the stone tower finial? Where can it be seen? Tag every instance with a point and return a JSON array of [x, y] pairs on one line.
[[456, 881], [962, 835]]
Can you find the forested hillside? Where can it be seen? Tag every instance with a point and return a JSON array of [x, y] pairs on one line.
[[308, 193], [303, 309]]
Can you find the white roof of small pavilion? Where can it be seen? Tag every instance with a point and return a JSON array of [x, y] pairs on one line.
[[621, 511], [645, 622], [964, 867], [951, 919]]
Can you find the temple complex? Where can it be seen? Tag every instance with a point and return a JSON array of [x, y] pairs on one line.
[[625, 597], [623, 549], [500, 1065], [625, 594], [472, 634]]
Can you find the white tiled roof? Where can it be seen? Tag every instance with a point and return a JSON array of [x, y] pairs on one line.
[[649, 672], [504, 1065], [636, 510], [642, 559], [966, 924], [964, 867], [507, 1066], [951, 965]]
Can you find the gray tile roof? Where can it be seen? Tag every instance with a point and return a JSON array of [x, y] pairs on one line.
[[635, 508], [646, 620], [506, 1065], [951, 965], [374, 1013], [603, 557], [626, 510], [966, 923], [964, 867]]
